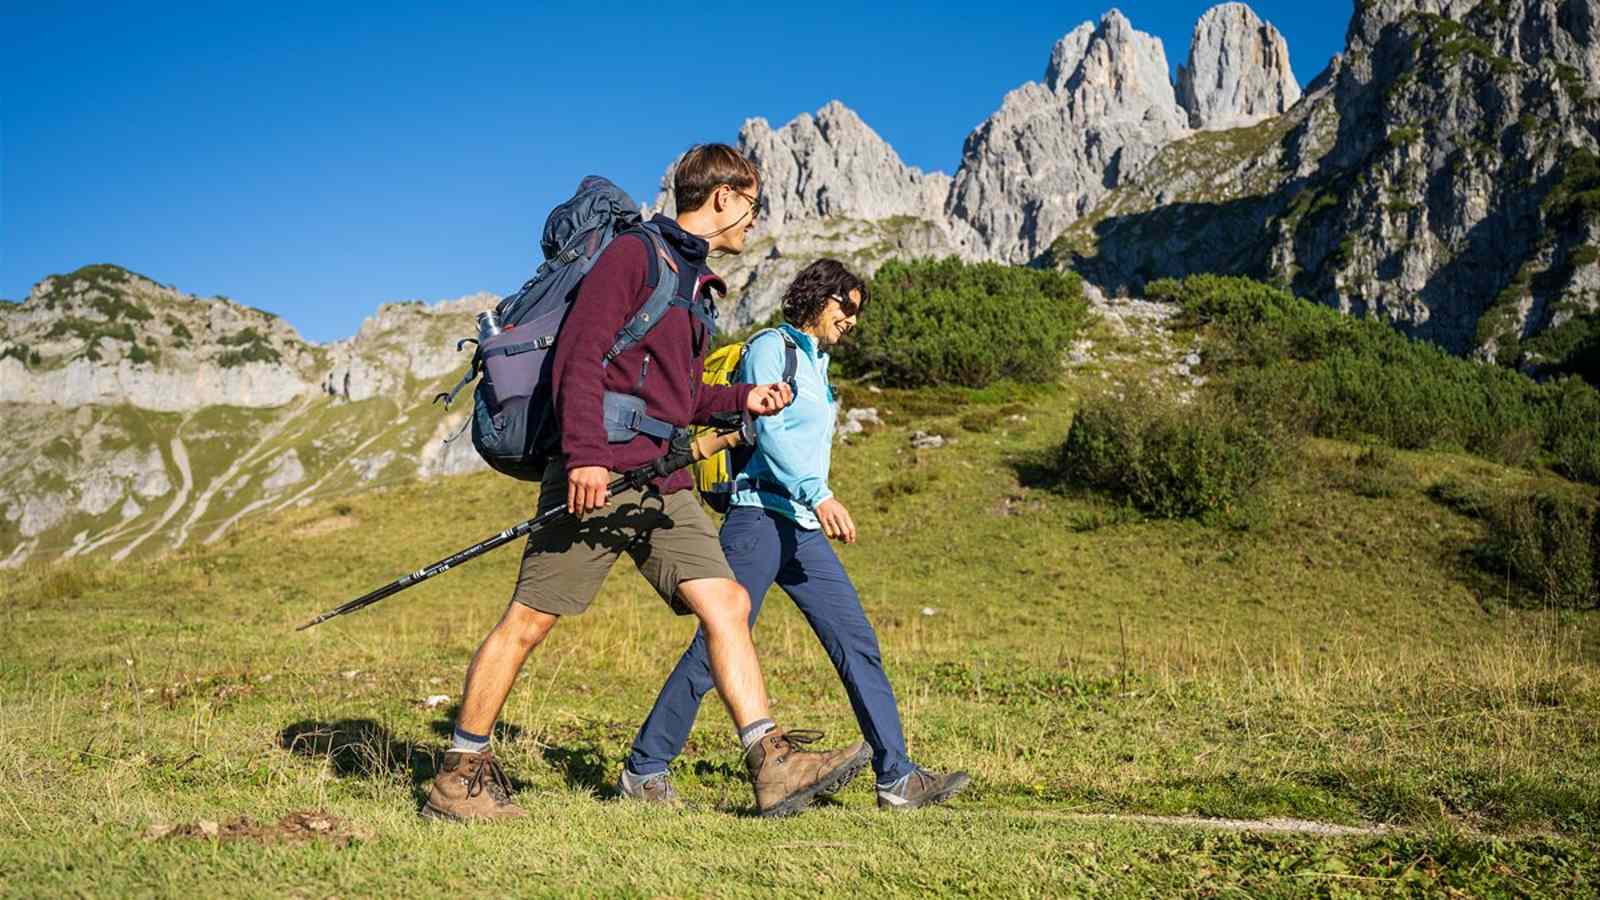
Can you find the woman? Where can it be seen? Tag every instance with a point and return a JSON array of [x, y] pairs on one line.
[[780, 518]]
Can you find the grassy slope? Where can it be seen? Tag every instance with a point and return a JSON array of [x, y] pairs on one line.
[[1342, 665]]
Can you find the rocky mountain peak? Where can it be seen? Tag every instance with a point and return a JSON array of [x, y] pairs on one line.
[[830, 165], [1238, 70], [1068, 54], [1054, 149]]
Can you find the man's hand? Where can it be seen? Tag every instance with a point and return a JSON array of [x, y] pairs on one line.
[[836, 521], [586, 489], [767, 399]]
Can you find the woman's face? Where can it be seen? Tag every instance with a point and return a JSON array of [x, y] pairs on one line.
[[837, 318]]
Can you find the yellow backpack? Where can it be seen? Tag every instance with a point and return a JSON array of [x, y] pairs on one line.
[[713, 476]]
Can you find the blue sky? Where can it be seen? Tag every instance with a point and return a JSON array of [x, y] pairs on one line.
[[316, 162]]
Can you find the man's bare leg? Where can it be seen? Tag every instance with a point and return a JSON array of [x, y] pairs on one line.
[[723, 608], [495, 666], [785, 778], [470, 784]]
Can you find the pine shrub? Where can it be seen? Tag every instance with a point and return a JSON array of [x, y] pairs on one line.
[[944, 322]]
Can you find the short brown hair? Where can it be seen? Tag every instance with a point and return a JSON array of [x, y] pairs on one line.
[[704, 168], [808, 294]]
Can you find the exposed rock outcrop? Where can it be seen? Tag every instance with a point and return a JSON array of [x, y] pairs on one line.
[[1238, 71], [101, 368], [832, 187], [1054, 149], [830, 166]]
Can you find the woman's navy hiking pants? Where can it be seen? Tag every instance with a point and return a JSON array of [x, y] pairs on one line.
[[764, 547]]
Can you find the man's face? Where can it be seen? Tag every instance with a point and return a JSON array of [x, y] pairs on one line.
[[738, 215]]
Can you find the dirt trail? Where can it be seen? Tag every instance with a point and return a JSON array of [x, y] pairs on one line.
[[248, 457], [1254, 826], [180, 456], [332, 470]]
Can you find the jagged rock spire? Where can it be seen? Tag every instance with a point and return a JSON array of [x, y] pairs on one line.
[[1238, 70]]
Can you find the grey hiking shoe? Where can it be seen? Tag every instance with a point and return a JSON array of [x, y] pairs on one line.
[[471, 787], [922, 788], [655, 789], [786, 778]]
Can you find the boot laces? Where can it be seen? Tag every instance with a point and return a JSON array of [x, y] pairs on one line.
[[795, 740], [487, 775]]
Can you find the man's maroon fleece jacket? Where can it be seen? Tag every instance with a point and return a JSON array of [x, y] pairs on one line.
[[664, 368]]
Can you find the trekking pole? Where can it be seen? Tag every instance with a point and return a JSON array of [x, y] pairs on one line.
[[682, 451]]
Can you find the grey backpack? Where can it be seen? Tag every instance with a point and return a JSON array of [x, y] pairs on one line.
[[513, 422]]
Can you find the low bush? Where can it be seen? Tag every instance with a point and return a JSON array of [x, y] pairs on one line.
[[1320, 372], [1206, 460], [1550, 543], [946, 322]]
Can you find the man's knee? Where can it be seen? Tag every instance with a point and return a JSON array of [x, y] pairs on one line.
[[717, 602], [525, 627]]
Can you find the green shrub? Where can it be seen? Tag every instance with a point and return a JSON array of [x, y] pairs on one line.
[[948, 323], [1467, 499], [1207, 460], [1575, 199], [140, 356], [252, 347], [1571, 348], [22, 353], [1573, 438], [1551, 544], [1319, 372], [117, 307]]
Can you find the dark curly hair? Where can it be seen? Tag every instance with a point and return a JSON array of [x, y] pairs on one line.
[[808, 294]]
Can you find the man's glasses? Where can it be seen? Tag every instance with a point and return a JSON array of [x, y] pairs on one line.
[[755, 202]]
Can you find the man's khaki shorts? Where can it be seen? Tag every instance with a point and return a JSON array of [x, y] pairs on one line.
[[669, 537]]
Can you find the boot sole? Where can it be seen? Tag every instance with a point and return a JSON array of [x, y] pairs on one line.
[[950, 790], [434, 814], [830, 783], [438, 815]]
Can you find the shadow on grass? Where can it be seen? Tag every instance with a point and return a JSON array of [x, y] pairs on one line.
[[583, 766], [1037, 469], [360, 748]]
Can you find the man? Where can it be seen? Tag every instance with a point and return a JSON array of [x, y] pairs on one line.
[[663, 527]]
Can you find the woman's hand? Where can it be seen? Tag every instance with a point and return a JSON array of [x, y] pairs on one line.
[[836, 521], [767, 399]]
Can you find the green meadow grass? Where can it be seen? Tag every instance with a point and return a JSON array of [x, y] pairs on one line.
[[1343, 661]]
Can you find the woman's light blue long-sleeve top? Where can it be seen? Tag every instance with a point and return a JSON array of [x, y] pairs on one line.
[[793, 448]]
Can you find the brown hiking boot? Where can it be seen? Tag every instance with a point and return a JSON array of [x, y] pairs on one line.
[[922, 788], [786, 778], [471, 786]]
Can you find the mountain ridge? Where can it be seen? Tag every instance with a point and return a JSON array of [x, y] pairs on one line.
[[1443, 173]]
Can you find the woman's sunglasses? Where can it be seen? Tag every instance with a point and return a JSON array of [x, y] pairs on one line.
[[845, 305]]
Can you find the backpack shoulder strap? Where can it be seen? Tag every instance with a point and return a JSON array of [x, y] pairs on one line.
[[663, 290], [791, 357], [791, 352]]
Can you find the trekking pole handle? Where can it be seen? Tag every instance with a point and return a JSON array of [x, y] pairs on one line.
[[713, 442]]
